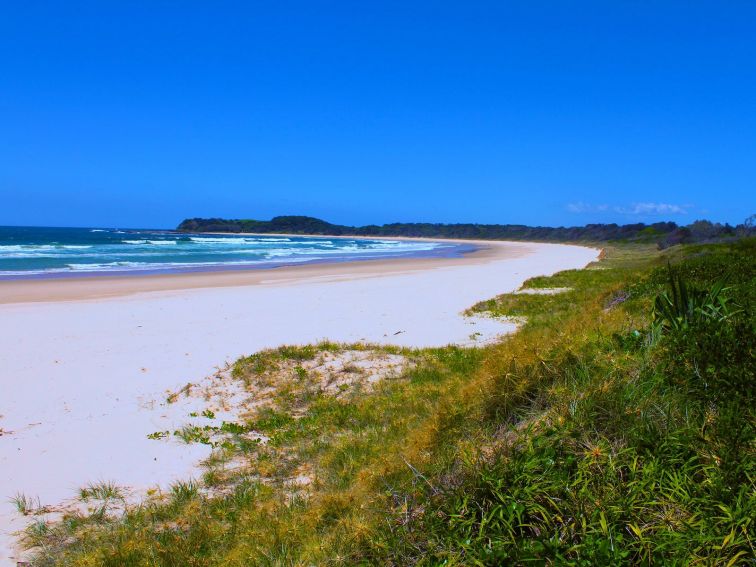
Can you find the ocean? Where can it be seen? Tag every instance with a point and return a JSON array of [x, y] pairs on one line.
[[44, 252]]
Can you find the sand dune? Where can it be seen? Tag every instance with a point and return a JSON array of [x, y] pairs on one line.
[[85, 364]]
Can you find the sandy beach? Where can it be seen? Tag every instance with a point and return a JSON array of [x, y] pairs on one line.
[[85, 363]]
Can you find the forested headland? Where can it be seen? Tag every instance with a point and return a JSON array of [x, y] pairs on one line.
[[665, 234]]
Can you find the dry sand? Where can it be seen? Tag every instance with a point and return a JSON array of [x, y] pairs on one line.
[[85, 364]]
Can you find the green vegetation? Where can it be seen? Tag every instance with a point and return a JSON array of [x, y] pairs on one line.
[[626, 445], [615, 428], [24, 504], [666, 234], [101, 491]]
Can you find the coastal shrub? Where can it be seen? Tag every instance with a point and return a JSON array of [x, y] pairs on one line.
[[713, 361], [683, 306]]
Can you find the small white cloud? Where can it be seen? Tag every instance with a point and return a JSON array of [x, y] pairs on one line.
[[653, 209], [581, 207], [577, 207], [636, 209]]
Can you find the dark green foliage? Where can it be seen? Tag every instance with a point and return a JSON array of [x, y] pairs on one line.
[[713, 356], [709, 353], [704, 231], [563, 500], [284, 224], [667, 233], [683, 306]]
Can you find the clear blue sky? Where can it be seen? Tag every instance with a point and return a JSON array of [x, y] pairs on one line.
[[555, 112]]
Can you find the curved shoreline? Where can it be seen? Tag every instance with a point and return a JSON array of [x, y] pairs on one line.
[[201, 252], [85, 287]]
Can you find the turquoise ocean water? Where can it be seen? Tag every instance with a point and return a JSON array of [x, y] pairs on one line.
[[42, 252]]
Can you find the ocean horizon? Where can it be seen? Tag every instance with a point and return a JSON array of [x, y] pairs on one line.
[[50, 252]]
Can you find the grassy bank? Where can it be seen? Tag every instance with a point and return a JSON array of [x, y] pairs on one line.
[[616, 427]]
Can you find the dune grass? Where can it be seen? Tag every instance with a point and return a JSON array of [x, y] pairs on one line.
[[597, 434], [25, 505]]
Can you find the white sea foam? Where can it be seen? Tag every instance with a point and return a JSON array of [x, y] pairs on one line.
[[153, 242], [26, 247], [270, 256], [234, 240], [149, 251], [39, 247], [20, 251], [212, 240], [141, 266], [106, 266]]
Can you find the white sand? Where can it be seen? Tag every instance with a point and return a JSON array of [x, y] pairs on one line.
[[82, 383]]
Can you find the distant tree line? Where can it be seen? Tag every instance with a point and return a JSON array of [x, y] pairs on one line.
[[664, 233]]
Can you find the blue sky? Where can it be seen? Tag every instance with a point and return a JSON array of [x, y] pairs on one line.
[[555, 113]]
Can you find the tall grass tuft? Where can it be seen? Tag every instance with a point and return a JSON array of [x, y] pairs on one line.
[[682, 305]]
